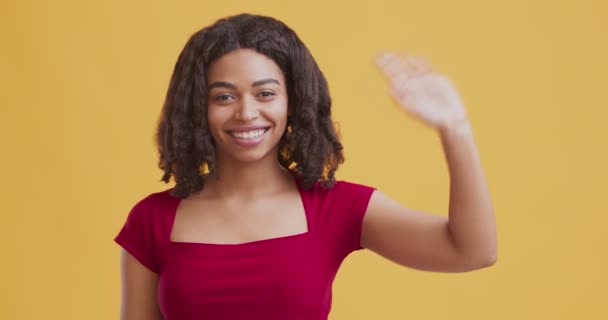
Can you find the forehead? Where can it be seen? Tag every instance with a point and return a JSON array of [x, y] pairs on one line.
[[243, 65]]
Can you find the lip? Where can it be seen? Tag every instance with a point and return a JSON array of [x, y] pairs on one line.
[[249, 142], [248, 128]]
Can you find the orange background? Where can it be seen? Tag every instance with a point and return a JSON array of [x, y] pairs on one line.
[[83, 83]]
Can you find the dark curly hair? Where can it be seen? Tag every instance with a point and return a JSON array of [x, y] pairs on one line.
[[309, 146]]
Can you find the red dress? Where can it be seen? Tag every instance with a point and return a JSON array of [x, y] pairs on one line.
[[281, 278]]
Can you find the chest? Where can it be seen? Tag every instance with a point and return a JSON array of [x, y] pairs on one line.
[[239, 221], [278, 278]]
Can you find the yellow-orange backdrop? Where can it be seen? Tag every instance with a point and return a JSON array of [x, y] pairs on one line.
[[82, 83]]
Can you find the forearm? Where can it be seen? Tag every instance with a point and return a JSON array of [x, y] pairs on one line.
[[471, 216]]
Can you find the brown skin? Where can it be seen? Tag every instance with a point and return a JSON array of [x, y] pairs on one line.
[[467, 239], [186, 147], [251, 197], [139, 286]]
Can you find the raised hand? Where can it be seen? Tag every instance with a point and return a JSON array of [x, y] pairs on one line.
[[427, 95]]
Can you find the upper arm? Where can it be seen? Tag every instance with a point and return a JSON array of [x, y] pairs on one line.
[[139, 290], [409, 237]]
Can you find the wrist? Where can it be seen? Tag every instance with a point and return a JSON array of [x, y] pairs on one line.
[[462, 125]]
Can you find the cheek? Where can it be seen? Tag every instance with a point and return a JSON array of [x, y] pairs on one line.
[[215, 120], [216, 115], [280, 111]]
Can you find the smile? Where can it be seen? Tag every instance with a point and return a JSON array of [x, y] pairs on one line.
[[248, 138], [248, 135]]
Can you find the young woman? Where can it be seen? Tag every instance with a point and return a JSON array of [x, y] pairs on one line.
[[257, 226]]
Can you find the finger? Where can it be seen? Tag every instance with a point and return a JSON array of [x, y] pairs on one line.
[[383, 60], [418, 66], [391, 64], [402, 97], [408, 61], [425, 66], [398, 95], [399, 80], [400, 86], [414, 66], [394, 68]]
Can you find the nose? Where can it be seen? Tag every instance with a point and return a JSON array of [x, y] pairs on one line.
[[247, 110]]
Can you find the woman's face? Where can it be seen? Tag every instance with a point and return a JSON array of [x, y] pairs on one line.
[[247, 106]]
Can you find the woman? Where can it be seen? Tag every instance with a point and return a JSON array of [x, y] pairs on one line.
[[257, 226]]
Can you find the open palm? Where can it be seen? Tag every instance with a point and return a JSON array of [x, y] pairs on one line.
[[422, 92]]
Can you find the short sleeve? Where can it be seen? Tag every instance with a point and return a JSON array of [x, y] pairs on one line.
[[137, 236], [353, 200]]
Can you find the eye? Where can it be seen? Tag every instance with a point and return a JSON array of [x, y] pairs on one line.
[[266, 94], [222, 98]]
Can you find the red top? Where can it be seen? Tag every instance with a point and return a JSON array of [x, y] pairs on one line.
[[281, 278]]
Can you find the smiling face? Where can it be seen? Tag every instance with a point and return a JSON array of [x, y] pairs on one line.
[[246, 106]]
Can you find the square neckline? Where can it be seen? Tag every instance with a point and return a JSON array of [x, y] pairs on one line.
[[243, 246]]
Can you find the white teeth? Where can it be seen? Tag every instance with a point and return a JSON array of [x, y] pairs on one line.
[[254, 134]]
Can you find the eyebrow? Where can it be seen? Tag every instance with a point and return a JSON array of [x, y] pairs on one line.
[[265, 81], [223, 84]]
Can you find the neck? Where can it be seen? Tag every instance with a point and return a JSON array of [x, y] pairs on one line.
[[248, 180]]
